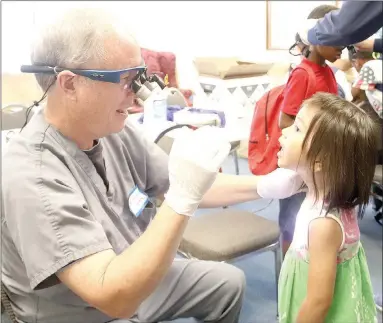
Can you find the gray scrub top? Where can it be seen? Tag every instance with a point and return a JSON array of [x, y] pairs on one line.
[[62, 204]]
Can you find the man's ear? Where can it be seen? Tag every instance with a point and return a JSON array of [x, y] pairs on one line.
[[66, 80]]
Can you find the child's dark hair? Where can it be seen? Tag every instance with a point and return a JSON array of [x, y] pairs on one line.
[[359, 55], [342, 139]]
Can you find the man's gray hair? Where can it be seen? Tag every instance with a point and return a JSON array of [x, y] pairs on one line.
[[75, 39]]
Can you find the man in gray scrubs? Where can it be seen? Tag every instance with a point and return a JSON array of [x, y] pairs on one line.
[[81, 240]]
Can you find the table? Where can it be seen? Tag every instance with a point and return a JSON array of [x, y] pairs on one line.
[[238, 129]]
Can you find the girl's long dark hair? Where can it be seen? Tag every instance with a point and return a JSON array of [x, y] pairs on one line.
[[342, 138]]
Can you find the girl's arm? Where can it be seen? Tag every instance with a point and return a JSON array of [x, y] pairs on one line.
[[233, 189], [325, 239]]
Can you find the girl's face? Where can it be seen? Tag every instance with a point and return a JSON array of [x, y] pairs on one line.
[[291, 155]]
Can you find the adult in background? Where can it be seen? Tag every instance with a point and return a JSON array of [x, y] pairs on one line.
[[354, 23]]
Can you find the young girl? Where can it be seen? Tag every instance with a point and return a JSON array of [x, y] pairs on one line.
[[324, 277], [300, 86]]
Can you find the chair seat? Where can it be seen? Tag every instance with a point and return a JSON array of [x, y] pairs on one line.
[[227, 234]]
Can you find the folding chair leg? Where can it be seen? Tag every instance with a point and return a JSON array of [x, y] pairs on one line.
[[278, 264], [235, 157]]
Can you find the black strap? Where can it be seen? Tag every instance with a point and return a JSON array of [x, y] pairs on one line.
[[267, 105], [164, 132]]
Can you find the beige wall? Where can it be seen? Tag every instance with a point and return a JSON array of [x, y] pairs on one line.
[[19, 88]]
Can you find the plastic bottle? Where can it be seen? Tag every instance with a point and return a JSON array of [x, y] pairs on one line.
[[155, 108], [160, 105]]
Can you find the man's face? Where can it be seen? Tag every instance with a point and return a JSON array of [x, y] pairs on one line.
[[102, 106]]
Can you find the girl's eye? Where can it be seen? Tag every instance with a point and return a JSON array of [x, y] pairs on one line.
[[296, 128]]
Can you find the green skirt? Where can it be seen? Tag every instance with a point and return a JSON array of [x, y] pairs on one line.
[[353, 300]]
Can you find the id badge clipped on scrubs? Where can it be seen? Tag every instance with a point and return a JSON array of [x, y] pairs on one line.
[[137, 201]]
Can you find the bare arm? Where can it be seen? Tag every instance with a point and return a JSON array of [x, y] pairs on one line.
[[342, 64], [325, 238], [231, 189], [116, 285]]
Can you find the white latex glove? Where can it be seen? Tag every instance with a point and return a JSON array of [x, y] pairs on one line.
[[194, 161], [279, 184], [306, 26]]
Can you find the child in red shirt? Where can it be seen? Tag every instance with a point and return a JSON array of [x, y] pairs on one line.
[[294, 94]]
